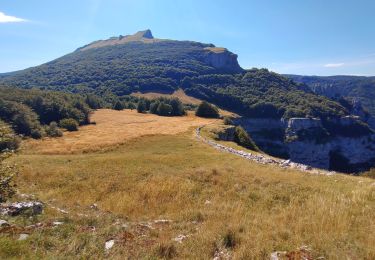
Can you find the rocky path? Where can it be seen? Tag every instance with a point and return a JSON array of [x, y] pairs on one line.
[[260, 158]]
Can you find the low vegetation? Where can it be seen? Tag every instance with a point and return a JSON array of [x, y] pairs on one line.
[[207, 110], [161, 106], [242, 138], [217, 203], [29, 112]]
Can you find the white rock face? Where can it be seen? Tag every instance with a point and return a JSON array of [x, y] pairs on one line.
[[221, 58], [316, 152], [297, 124]]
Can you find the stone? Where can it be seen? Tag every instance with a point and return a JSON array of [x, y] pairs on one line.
[[4, 223], [15, 209], [94, 206], [162, 221], [23, 237], [109, 244], [180, 238], [57, 223]]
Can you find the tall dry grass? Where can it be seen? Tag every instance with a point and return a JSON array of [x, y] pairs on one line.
[[210, 196]]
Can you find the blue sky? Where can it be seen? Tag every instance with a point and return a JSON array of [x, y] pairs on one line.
[[310, 37]]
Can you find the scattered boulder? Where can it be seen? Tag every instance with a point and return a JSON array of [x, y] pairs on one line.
[[180, 238], [57, 223], [23, 237], [4, 223], [18, 208], [94, 206], [109, 244], [162, 221]]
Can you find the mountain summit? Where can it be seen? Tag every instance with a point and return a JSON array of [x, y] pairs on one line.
[[141, 36]]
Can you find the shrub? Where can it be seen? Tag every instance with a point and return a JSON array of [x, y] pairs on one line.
[[207, 110], [164, 109], [7, 173], [177, 107], [53, 131], [230, 239], [227, 120], [69, 124], [8, 139], [131, 106], [154, 107], [241, 137], [142, 106], [119, 106]]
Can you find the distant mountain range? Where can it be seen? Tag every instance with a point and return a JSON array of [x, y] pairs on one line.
[[356, 88]]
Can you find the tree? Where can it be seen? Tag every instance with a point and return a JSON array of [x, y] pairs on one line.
[[177, 107], [53, 130], [69, 124], [141, 107], [131, 106], [7, 173], [241, 137], [8, 139], [154, 107], [207, 110], [164, 109], [119, 105]]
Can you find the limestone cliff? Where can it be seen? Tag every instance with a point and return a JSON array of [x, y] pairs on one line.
[[221, 58], [345, 144]]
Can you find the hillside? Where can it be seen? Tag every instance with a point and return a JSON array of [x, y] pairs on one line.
[[352, 87], [167, 196], [140, 63], [284, 118]]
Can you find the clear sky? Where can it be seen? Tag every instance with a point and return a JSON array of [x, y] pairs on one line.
[[310, 37]]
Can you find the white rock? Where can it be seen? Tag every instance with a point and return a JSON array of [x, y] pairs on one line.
[[23, 236], [162, 221], [57, 223], [276, 255], [3, 223], [180, 238], [109, 244]]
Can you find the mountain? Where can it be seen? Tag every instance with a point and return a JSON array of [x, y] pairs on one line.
[[137, 62], [355, 88], [285, 118], [140, 62]]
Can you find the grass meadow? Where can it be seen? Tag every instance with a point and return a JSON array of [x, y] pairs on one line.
[[220, 202]]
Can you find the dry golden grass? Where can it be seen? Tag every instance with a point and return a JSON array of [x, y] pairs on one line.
[[113, 128], [178, 94], [261, 207]]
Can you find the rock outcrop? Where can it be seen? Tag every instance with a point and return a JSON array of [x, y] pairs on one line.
[[221, 58], [347, 145]]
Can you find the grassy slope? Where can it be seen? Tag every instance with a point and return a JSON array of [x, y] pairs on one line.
[[171, 176]]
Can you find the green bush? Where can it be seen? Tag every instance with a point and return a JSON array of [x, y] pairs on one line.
[[8, 139], [142, 106], [119, 106], [7, 173], [164, 109], [69, 124], [131, 106], [53, 130], [227, 120], [154, 107], [241, 137], [207, 110]]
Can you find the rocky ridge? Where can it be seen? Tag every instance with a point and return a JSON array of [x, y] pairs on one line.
[[261, 158]]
